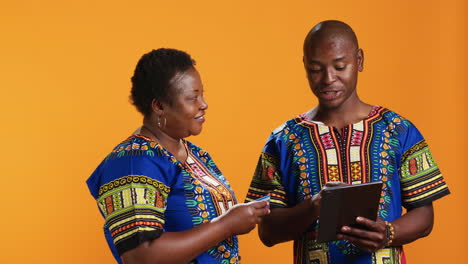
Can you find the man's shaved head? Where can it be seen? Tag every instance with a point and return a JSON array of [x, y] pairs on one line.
[[330, 30], [332, 60]]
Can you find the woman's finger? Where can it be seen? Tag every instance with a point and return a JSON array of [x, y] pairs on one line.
[[259, 204]]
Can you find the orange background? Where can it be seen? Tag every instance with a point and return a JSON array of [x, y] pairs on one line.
[[65, 69]]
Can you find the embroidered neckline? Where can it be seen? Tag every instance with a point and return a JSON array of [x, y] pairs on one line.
[[166, 152], [375, 111]]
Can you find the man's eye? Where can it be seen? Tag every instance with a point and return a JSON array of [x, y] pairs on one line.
[[340, 67]]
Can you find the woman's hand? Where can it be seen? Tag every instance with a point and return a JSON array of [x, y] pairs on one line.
[[183, 246], [367, 240], [242, 218]]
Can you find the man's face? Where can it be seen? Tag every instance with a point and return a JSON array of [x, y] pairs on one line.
[[332, 67]]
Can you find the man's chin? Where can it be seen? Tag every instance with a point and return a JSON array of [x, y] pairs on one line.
[[330, 104]]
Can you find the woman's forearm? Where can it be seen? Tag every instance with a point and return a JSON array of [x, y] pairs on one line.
[[177, 247], [184, 246]]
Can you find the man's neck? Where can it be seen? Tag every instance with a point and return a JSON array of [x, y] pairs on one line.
[[344, 115]]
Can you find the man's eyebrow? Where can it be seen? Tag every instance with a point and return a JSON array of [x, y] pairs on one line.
[[318, 62]]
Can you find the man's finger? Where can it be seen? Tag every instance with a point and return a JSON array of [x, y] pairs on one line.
[[372, 225], [334, 184]]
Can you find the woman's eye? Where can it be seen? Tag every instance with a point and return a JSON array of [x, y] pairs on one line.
[[315, 70]]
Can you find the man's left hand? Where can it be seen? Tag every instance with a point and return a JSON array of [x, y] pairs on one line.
[[370, 240]]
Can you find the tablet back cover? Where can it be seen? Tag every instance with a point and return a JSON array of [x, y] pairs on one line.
[[342, 204]]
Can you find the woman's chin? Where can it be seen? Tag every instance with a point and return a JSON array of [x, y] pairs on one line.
[[196, 132]]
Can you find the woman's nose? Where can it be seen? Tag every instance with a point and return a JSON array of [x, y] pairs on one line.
[[204, 104]]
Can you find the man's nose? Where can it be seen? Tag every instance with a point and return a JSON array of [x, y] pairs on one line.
[[329, 76]]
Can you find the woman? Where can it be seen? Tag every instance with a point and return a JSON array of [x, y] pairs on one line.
[[163, 198]]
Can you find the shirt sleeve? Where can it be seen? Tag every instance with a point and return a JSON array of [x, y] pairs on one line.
[[420, 178], [134, 201], [267, 179]]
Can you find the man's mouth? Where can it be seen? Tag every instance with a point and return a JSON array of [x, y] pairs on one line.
[[330, 95]]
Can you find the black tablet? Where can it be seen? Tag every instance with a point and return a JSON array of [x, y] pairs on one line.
[[341, 205]]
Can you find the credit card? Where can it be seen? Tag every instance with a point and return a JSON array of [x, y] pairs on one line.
[[264, 198]]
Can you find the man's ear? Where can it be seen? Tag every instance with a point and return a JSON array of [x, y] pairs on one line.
[[360, 60], [157, 107]]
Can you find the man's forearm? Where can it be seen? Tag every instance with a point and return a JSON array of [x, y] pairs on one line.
[[414, 224], [285, 224]]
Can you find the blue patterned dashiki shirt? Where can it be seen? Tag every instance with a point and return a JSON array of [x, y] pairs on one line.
[[142, 190], [302, 155]]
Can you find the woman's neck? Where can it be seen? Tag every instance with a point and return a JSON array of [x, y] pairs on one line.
[[173, 145]]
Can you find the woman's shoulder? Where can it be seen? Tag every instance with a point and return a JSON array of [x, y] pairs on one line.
[[136, 156], [136, 145]]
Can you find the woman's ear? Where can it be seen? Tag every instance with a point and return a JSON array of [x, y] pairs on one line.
[[157, 107]]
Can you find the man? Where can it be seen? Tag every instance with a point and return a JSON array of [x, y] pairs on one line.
[[345, 140]]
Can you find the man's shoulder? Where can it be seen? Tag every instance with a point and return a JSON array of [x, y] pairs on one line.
[[388, 113], [286, 127], [393, 117], [395, 123]]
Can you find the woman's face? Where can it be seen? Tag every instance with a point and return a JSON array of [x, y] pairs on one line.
[[185, 114]]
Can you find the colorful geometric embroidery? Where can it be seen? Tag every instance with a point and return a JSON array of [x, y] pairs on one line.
[[417, 161], [221, 197], [208, 195], [318, 256], [133, 179], [356, 137], [346, 248], [393, 255], [327, 141], [267, 181], [138, 145], [308, 154], [356, 173], [421, 179], [317, 253], [333, 173], [397, 125], [133, 204]]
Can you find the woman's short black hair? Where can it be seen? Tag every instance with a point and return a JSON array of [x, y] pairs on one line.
[[153, 74]]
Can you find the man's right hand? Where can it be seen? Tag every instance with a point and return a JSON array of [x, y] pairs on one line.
[[289, 223], [316, 199]]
